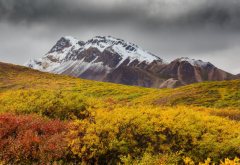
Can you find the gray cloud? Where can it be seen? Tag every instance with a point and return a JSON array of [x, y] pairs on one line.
[[200, 29], [160, 13], [61, 11]]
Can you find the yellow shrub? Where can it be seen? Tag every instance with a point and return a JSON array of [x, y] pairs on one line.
[[107, 135], [150, 159], [52, 104], [236, 161]]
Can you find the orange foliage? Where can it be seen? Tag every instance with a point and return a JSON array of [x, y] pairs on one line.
[[31, 139]]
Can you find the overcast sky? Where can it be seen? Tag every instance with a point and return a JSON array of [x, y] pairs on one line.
[[200, 29]]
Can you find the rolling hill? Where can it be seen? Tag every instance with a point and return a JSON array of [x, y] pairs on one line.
[[51, 118]]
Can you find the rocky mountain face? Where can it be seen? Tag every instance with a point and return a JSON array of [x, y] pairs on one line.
[[237, 76], [189, 71], [114, 60]]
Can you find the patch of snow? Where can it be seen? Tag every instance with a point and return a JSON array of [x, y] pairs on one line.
[[33, 63], [194, 62], [48, 65], [76, 47], [63, 67], [120, 46], [72, 40], [131, 51], [165, 62], [101, 47], [78, 67]]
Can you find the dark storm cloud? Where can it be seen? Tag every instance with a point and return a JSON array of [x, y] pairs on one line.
[[200, 29], [215, 15], [60, 11], [151, 13]]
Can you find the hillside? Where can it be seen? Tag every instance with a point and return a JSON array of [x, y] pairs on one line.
[[223, 94], [14, 77], [107, 123]]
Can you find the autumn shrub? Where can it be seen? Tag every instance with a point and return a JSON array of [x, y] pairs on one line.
[[30, 139], [150, 159], [109, 135], [50, 103], [235, 161], [233, 114]]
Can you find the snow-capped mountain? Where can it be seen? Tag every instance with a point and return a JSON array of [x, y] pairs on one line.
[[70, 49], [189, 71], [97, 59], [114, 60]]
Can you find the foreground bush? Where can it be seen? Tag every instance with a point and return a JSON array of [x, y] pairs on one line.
[[125, 135], [109, 135], [31, 139], [149, 159], [236, 161]]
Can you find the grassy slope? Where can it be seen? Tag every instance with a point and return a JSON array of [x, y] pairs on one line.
[[13, 77], [108, 107], [223, 94]]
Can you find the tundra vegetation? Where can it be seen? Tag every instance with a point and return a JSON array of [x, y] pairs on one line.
[[58, 119]]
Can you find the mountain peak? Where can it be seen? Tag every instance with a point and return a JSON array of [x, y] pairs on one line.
[[63, 43], [123, 48], [69, 50], [71, 39], [194, 62]]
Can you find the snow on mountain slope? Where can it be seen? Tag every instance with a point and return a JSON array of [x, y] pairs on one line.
[[123, 48], [67, 49], [194, 62]]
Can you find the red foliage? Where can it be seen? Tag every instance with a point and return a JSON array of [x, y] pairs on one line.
[[31, 139], [111, 101]]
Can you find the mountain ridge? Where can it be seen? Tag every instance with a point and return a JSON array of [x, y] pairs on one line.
[[110, 59]]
